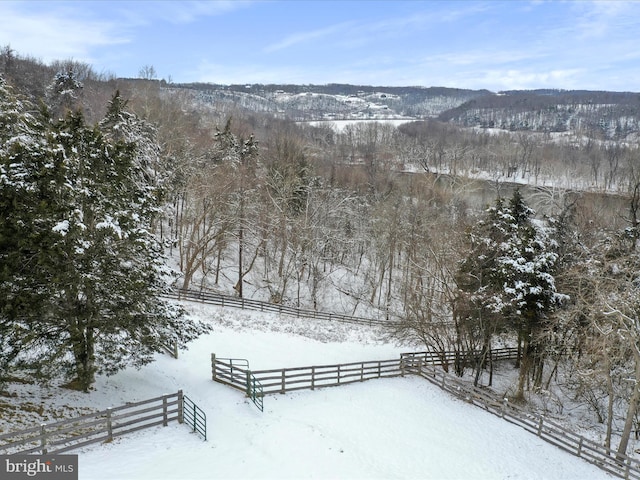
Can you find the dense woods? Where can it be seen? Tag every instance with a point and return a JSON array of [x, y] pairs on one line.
[[467, 237]]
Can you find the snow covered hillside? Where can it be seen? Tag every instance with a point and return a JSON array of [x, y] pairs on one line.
[[388, 428]]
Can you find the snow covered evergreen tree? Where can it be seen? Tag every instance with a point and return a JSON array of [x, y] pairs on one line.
[[509, 276], [477, 280], [81, 273], [63, 92]]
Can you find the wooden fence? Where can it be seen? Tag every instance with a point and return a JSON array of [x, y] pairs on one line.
[[445, 358], [235, 372], [103, 426], [621, 466], [235, 302], [170, 347]]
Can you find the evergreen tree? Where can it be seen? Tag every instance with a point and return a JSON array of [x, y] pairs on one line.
[[63, 92], [82, 273], [509, 275], [478, 280]]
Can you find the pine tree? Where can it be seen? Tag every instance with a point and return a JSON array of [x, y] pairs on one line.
[[63, 92], [26, 185], [478, 279], [509, 274], [82, 274]]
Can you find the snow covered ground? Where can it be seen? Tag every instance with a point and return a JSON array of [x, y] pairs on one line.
[[402, 428], [339, 125]]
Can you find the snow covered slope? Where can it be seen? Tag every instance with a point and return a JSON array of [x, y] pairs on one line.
[[401, 428]]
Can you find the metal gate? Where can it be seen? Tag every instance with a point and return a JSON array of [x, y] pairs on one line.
[[194, 417], [235, 372]]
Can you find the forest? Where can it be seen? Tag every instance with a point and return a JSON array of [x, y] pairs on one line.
[[463, 237]]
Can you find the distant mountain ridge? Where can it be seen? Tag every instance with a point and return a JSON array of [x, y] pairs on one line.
[[599, 114], [614, 115], [338, 101]]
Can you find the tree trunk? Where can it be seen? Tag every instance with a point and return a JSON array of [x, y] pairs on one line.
[[240, 274], [631, 411], [83, 343], [482, 361], [607, 441], [525, 365]]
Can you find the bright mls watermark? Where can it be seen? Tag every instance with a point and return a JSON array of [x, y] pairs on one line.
[[49, 467]]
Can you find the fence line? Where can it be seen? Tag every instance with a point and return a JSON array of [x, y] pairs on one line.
[[103, 426], [247, 304], [170, 347], [234, 372], [622, 466], [448, 357], [309, 378]]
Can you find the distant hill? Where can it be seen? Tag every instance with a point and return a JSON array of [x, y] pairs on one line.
[[600, 114], [338, 101], [614, 115]]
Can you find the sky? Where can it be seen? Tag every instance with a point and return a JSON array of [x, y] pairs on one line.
[[497, 45]]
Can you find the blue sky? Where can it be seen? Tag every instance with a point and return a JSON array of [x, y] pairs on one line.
[[497, 45]]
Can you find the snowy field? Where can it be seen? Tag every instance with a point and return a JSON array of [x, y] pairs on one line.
[[340, 125], [400, 428]]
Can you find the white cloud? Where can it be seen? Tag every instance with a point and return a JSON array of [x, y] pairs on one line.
[[305, 37], [55, 34], [598, 19], [524, 80], [190, 11], [211, 72], [354, 34]]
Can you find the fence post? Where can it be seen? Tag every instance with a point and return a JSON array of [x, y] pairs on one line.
[[248, 382], [338, 374], [313, 378], [213, 366], [180, 407], [109, 425], [401, 366], [580, 447], [164, 411], [43, 438], [284, 382], [175, 349], [540, 425]]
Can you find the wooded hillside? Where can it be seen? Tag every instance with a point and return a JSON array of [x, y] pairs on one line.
[[467, 239]]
